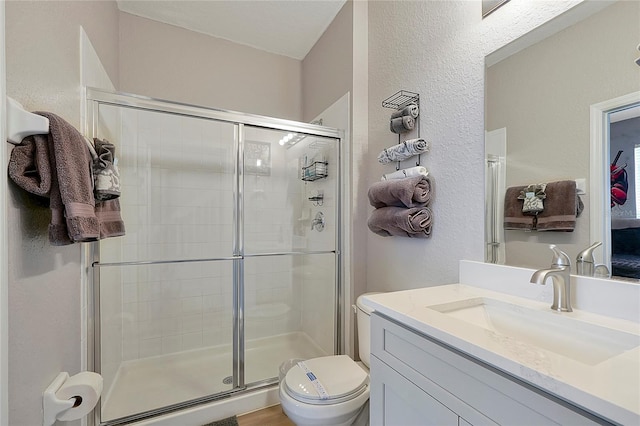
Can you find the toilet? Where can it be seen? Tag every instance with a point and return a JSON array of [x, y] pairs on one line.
[[331, 390]]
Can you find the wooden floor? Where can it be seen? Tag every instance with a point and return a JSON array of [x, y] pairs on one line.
[[272, 416]]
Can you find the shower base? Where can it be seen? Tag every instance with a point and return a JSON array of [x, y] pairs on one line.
[[151, 383]]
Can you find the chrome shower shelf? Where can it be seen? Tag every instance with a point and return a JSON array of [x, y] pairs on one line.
[[401, 99], [314, 171]]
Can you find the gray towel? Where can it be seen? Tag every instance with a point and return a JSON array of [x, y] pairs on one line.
[[411, 110], [108, 214], [403, 151], [68, 168], [409, 192], [398, 221], [402, 124], [58, 166], [29, 165], [562, 206], [514, 218]]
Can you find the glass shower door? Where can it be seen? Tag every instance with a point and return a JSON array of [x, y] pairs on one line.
[[229, 265], [290, 204], [166, 289]]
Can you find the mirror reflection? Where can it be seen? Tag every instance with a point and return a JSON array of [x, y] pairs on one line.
[[624, 150], [537, 110], [489, 6]]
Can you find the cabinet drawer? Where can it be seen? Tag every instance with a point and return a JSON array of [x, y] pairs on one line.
[[467, 383], [396, 401]]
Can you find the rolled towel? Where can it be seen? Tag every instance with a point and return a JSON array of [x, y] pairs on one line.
[[409, 192], [29, 166], [398, 221], [402, 124], [403, 151], [411, 110], [404, 173]]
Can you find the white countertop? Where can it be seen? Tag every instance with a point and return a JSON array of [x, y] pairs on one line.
[[610, 389]]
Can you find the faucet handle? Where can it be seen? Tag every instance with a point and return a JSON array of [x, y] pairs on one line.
[[560, 258], [586, 255], [601, 271]]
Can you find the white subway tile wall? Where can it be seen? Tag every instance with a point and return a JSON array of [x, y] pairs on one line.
[[177, 203]]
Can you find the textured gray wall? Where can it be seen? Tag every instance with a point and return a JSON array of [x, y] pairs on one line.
[[43, 73], [437, 49]]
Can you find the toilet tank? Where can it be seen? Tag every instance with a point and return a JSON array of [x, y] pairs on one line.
[[363, 314]]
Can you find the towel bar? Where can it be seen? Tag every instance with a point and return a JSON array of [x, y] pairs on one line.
[[21, 123]]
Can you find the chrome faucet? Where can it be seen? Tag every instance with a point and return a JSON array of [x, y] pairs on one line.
[[585, 263], [560, 273]]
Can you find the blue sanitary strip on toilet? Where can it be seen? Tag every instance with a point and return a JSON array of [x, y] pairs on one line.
[[314, 381]]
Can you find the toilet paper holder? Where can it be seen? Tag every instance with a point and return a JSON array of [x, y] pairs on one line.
[[54, 406]]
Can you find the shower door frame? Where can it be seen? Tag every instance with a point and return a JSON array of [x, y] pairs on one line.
[[91, 252]]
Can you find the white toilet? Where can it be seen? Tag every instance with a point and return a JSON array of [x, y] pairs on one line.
[[330, 390]]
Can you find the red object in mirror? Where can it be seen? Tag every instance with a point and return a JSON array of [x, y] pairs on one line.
[[619, 182]]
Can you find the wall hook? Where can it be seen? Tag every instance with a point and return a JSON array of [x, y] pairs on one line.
[[21, 123]]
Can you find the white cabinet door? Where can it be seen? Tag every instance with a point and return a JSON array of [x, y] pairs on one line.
[[395, 401], [472, 389]]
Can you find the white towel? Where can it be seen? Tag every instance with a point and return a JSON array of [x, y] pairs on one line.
[[403, 151], [404, 173]]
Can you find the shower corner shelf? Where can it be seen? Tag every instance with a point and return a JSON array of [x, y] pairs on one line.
[[401, 99], [314, 171]]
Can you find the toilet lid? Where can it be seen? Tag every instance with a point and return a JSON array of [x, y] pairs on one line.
[[326, 379]]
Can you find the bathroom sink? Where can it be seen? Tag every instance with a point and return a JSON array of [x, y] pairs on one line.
[[555, 332]]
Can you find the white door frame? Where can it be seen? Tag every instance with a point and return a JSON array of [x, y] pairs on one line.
[[495, 147], [4, 241], [600, 199]]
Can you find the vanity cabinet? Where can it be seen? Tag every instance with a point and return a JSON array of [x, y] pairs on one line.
[[418, 381]]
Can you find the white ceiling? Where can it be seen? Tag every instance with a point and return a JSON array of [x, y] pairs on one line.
[[285, 27]]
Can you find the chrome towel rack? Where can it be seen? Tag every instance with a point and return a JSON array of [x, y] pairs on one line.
[[399, 100]]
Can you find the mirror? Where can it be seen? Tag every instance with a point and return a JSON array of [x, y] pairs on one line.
[[538, 120], [489, 6]]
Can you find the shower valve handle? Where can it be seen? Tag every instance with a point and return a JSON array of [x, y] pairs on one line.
[[318, 222]]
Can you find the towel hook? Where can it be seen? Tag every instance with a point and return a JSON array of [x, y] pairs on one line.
[[21, 123]]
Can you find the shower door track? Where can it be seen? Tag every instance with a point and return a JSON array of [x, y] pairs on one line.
[[91, 252], [186, 404]]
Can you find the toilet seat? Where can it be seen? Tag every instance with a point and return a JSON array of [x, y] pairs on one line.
[[326, 380]]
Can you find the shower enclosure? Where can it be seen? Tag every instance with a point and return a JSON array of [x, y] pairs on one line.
[[230, 264]]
